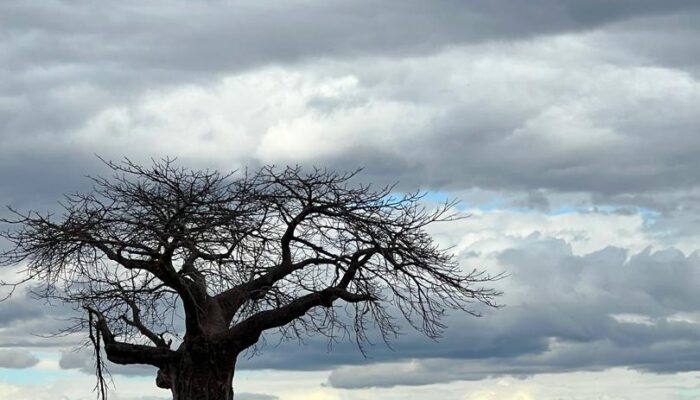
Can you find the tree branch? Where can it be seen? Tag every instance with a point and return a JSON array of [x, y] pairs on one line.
[[136, 322], [247, 332], [129, 353]]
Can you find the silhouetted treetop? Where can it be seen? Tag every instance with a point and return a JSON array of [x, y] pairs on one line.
[[160, 254]]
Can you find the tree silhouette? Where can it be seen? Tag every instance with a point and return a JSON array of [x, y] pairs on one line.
[[184, 270]]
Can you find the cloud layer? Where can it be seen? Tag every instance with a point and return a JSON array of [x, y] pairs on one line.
[[581, 87]]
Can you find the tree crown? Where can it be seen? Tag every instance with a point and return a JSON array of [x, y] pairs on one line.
[[238, 254]]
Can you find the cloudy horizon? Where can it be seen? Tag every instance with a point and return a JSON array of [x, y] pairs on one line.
[[567, 129]]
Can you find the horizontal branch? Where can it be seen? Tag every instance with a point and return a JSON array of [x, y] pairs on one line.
[[129, 353], [247, 332]]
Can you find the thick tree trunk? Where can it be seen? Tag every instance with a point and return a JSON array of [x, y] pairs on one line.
[[192, 382], [199, 375]]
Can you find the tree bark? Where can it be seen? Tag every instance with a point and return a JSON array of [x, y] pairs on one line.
[[200, 373]]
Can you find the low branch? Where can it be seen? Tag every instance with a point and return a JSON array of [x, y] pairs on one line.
[[129, 353]]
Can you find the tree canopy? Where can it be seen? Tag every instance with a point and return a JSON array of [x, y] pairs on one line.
[[173, 267]]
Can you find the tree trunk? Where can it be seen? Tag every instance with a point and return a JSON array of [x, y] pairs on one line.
[[199, 376]]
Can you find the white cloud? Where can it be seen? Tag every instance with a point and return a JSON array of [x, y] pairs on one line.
[[638, 319], [585, 231], [273, 115], [319, 135]]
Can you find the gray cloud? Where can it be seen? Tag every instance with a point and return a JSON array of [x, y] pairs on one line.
[[19, 308], [84, 362], [241, 35], [564, 312], [526, 146], [73, 360], [67, 62], [586, 312], [27, 321], [17, 358]]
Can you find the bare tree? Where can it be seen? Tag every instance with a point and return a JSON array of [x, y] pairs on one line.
[[184, 270]]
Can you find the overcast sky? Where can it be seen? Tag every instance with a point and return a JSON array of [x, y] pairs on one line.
[[568, 128]]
